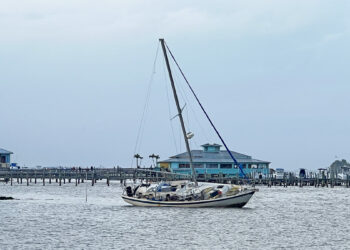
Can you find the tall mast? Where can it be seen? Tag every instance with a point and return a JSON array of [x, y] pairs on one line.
[[179, 111]]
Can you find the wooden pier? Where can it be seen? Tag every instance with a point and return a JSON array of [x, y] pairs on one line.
[[63, 176], [77, 176]]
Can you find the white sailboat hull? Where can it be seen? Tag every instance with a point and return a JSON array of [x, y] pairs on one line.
[[238, 200]]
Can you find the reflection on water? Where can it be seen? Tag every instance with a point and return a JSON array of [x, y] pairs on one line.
[[58, 217]]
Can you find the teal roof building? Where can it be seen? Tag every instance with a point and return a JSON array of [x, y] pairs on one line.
[[212, 160]]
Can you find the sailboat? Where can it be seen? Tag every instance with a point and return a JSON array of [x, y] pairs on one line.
[[188, 193]]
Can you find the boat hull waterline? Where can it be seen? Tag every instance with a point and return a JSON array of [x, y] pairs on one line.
[[238, 200]]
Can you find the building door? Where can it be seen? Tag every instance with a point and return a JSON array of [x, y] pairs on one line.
[[2, 159]]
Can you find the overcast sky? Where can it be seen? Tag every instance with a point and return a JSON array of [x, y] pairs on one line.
[[273, 75]]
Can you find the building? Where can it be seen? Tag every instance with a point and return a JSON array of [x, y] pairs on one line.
[[5, 158], [213, 160], [338, 167]]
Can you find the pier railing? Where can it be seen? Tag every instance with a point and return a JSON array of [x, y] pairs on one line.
[[78, 175]]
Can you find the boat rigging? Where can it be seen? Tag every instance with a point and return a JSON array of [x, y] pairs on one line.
[[188, 194], [179, 110]]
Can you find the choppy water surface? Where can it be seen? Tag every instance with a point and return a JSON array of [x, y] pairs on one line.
[[58, 217]]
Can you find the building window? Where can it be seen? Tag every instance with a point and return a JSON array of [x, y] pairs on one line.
[[198, 165], [225, 165], [184, 165], [212, 165]]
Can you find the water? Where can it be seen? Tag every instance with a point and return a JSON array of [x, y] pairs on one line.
[[55, 217]]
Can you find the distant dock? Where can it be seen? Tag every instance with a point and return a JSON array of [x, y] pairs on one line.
[[77, 176], [63, 176]]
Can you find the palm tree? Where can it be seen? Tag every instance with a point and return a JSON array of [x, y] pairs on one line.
[[137, 156], [153, 156]]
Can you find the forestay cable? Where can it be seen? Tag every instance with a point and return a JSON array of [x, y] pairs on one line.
[[212, 124], [145, 108]]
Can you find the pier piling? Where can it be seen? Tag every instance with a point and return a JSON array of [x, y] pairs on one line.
[[148, 175], [92, 181]]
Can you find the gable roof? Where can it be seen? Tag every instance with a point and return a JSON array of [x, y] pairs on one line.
[[212, 145], [200, 156], [5, 152]]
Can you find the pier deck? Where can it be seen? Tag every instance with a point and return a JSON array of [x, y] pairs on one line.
[[58, 175]]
